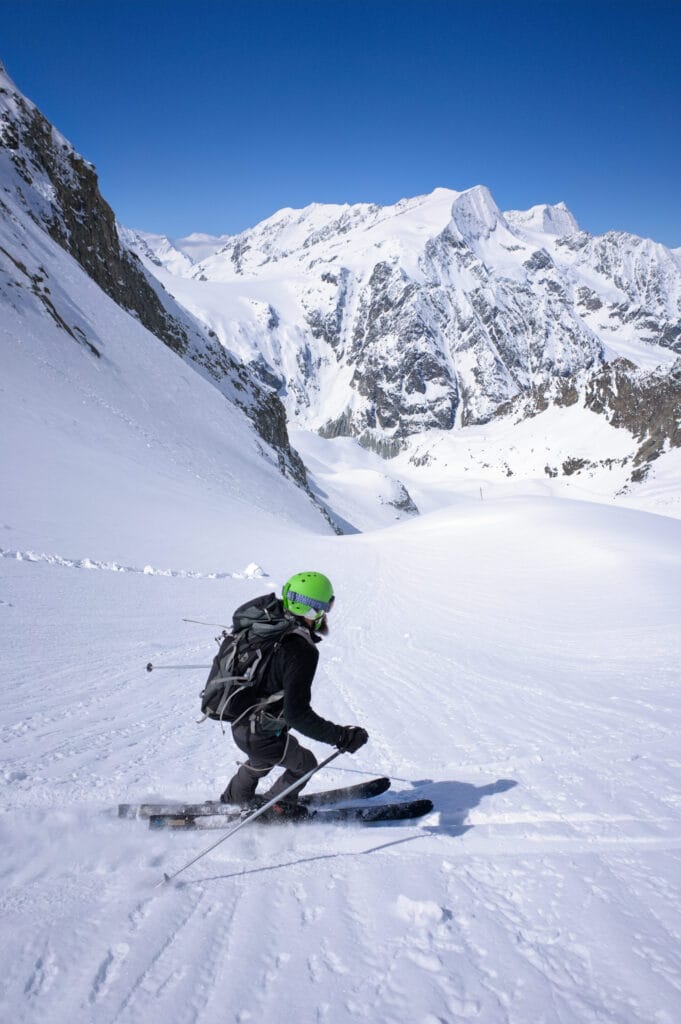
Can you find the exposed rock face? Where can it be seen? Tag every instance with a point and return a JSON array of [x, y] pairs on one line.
[[391, 314], [77, 217], [647, 405], [442, 312], [59, 190], [647, 276], [403, 501]]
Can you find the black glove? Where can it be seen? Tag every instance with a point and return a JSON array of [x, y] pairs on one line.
[[351, 738]]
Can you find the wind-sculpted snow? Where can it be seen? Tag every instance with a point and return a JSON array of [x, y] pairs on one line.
[[251, 572], [544, 219], [475, 215]]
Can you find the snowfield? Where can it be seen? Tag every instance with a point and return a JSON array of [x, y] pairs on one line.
[[515, 659]]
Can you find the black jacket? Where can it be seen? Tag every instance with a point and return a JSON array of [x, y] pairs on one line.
[[292, 670]]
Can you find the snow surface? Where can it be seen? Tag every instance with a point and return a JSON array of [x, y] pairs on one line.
[[515, 659]]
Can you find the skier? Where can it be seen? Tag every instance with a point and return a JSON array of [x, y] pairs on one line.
[[265, 734]]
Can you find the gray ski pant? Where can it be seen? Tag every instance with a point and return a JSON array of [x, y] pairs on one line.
[[265, 752]]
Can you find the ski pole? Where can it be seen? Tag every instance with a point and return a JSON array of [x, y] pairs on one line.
[[197, 622], [251, 817], [152, 668]]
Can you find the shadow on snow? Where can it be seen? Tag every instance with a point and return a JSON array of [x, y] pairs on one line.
[[451, 800]]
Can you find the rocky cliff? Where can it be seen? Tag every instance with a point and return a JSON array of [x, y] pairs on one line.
[[45, 179]]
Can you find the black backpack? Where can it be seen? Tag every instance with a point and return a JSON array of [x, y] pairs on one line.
[[233, 688]]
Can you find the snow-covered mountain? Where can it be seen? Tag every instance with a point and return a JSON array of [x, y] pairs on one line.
[[177, 255], [51, 205], [413, 328], [441, 313]]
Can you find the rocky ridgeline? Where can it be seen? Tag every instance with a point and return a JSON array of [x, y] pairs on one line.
[[443, 312], [647, 405], [47, 179], [60, 189]]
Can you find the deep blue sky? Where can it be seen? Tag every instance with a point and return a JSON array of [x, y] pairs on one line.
[[209, 116]]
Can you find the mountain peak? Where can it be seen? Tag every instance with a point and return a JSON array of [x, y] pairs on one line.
[[11, 97], [8, 89], [475, 214], [545, 218]]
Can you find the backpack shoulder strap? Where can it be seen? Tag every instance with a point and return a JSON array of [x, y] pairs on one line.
[[266, 653]]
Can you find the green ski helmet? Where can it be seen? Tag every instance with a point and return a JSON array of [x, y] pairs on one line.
[[308, 594]]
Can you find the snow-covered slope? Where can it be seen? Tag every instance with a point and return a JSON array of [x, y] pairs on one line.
[[515, 661], [113, 448], [51, 205]]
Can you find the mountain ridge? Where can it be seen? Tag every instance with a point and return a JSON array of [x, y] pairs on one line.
[[48, 185], [386, 324], [441, 312]]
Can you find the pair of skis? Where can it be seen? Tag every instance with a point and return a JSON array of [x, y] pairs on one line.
[[320, 809]]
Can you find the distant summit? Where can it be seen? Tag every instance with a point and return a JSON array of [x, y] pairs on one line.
[[441, 312], [549, 220]]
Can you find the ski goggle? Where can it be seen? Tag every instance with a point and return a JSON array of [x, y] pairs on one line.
[[310, 602]]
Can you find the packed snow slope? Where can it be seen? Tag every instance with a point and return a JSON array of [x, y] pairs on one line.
[[514, 660], [129, 455]]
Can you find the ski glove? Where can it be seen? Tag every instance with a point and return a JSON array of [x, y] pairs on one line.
[[351, 738]]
